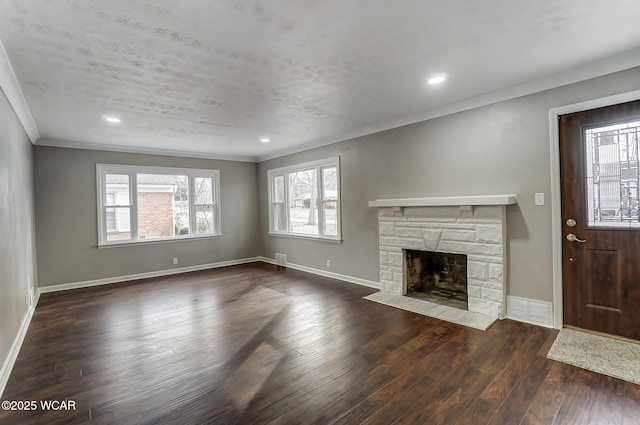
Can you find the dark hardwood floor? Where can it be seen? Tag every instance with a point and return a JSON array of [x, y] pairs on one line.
[[255, 345]]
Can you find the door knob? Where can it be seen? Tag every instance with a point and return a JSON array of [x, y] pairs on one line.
[[573, 238]]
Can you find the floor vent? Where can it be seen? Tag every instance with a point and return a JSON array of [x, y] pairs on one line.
[[281, 259]]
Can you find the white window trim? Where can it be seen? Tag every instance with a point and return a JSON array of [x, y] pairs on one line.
[[132, 171], [282, 171]]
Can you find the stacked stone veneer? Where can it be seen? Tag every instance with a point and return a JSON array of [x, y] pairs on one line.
[[476, 231]]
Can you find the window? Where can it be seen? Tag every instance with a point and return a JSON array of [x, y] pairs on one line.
[[613, 181], [143, 204], [304, 199]]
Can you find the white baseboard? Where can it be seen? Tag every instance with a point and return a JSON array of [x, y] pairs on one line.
[[332, 275], [117, 279], [526, 310], [10, 361], [530, 311]]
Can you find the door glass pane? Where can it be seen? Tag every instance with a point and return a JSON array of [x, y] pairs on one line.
[[163, 205], [303, 202], [612, 175]]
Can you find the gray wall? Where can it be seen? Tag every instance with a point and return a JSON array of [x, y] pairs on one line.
[[500, 148], [496, 149], [17, 238], [66, 218]]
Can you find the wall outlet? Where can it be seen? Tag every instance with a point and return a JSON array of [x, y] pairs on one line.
[[329, 263], [30, 298], [175, 260]]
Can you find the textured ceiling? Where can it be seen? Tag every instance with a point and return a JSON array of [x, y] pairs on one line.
[[212, 77]]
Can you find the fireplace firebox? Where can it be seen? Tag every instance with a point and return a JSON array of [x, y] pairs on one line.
[[438, 277]]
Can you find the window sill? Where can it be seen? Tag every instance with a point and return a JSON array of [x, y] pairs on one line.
[[307, 237], [155, 241]]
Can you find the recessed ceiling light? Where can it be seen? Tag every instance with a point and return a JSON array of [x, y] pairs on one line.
[[265, 140], [437, 79], [114, 120]]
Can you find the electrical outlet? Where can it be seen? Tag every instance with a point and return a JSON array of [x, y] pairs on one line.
[[329, 263], [29, 298], [175, 260]]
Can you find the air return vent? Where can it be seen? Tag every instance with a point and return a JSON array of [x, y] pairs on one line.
[[281, 259]]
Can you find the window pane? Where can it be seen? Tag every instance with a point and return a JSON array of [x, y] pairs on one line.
[[330, 218], [278, 184], [111, 220], [612, 175], [278, 212], [138, 204], [303, 202], [304, 199], [330, 184], [117, 189], [118, 224], [111, 198], [330, 197], [163, 205], [204, 190], [205, 224]]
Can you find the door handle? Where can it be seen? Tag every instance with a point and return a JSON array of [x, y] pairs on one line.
[[573, 238]]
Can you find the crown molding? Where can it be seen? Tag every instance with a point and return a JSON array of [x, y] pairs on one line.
[[69, 144], [11, 88], [573, 75]]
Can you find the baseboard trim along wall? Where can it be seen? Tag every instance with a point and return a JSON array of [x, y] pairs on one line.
[[159, 273], [10, 361], [530, 311], [525, 310], [332, 275]]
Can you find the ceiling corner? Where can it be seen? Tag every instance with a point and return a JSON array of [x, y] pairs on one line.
[[11, 88]]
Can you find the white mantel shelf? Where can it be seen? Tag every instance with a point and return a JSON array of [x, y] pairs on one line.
[[447, 201]]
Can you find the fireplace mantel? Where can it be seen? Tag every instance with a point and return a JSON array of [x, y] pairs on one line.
[[447, 201]]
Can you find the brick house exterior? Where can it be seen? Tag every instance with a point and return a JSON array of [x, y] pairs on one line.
[[155, 214]]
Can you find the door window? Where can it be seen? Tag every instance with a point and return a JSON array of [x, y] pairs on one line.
[[612, 175]]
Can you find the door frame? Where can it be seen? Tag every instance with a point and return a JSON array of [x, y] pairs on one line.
[[556, 211]]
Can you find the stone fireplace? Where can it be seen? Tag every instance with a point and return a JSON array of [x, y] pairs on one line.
[[473, 227]]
